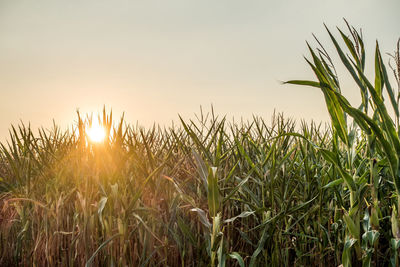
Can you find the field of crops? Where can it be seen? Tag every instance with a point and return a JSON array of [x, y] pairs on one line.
[[210, 192]]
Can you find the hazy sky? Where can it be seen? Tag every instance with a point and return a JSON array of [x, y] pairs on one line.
[[157, 59]]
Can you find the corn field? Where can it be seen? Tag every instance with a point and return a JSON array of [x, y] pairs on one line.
[[210, 192]]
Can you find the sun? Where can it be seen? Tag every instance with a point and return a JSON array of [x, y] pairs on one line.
[[96, 133]]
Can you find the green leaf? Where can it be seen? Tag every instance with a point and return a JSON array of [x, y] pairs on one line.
[[387, 83], [334, 183], [346, 256], [89, 262], [378, 73], [368, 124], [238, 258], [213, 192], [259, 249], [203, 217], [346, 62], [244, 214], [331, 157], [235, 189], [351, 226], [304, 82]]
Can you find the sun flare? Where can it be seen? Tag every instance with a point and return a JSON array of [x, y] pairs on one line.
[[96, 133]]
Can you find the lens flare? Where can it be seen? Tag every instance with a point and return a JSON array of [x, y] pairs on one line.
[[96, 133]]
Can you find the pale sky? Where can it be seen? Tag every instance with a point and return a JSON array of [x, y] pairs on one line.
[[157, 59]]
